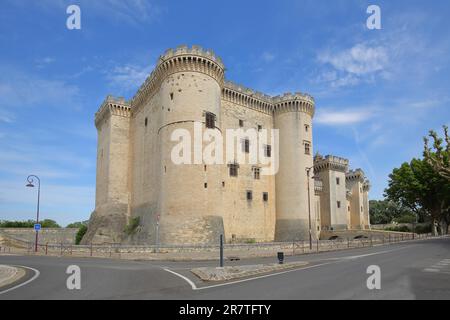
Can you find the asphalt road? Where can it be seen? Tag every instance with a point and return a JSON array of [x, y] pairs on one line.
[[412, 270]]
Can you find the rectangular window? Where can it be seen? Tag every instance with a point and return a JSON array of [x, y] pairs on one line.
[[246, 145], [256, 173], [206, 185], [233, 169], [307, 147], [267, 151], [259, 127], [338, 181], [210, 120], [265, 196], [249, 195], [338, 204], [241, 123]]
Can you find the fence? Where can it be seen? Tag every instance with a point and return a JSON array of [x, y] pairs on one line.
[[209, 251]]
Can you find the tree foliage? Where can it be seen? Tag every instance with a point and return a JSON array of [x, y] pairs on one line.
[[385, 212], [439, 157], [419, 187], [47, 223]]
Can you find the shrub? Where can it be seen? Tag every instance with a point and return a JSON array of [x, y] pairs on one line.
[[399, 229], [80, 234], [423, 228], [132, 226]]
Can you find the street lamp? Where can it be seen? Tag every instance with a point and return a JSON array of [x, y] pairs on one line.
[[309, 207], [30, 184]]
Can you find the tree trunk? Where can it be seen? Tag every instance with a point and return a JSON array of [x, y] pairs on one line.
[[444, 227], [434, 227]]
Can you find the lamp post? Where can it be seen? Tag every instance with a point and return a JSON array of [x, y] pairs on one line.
[[30, 184], [309, 207]]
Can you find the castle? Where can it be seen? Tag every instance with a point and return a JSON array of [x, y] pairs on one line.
[[139, 187]]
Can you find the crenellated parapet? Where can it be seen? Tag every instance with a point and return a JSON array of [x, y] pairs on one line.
[[294, 102], [356, 175], [112, 106], [330, 163], [181, 59], [247, 97], [366, 186]]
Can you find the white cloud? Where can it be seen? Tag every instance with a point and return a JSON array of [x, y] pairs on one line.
[[359, 60], [267, 56], [342, 117], [18, 89], [128, 77], [132, 12]]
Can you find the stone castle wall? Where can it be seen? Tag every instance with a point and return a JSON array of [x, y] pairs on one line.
[[195, 203]]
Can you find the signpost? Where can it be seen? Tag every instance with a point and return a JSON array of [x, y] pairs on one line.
[[37, 227]]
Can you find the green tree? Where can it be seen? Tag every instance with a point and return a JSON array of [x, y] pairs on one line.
[[417, 186], [80, 234], [77, 224], [385, 211], [439, 158], [47, 223]]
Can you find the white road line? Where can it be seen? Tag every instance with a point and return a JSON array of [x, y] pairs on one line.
[[264, 276], [335, 260], [194, 287], [36, 275], [431, 270], [367, 255]]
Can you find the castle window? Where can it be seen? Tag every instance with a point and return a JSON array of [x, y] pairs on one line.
[[206, 185], [246, 145], [146, 121], [205, 168], [223, 184], [210, 120], [268, 151], [307, 148], [259, 127], [171, 96], [338, 204], [249, 195], [241, 123], [307, 127], [338, 181], [233, 169], [265, 196], [256, 173]]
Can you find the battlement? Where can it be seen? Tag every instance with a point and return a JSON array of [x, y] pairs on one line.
[[355, 175], [112, 106], [181, 59], [294, 102], [184, 50], [330, 162]]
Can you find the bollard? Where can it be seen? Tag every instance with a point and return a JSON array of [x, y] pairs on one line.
[[317, 245], [280, 256], [221, 250], [46, 248]]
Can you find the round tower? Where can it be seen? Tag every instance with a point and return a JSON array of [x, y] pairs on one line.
[[190, 193], [295, 213]]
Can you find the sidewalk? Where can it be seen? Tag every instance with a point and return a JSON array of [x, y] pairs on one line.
[[9, 274]]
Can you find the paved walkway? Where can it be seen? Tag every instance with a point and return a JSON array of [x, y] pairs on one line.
[[9, 275]]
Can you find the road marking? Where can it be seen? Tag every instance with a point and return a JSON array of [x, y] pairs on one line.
[[36, 275], [335, 260], [194, 287], [368, 254], [431, 270]]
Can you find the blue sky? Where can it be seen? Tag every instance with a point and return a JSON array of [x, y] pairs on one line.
[[377, 92]]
